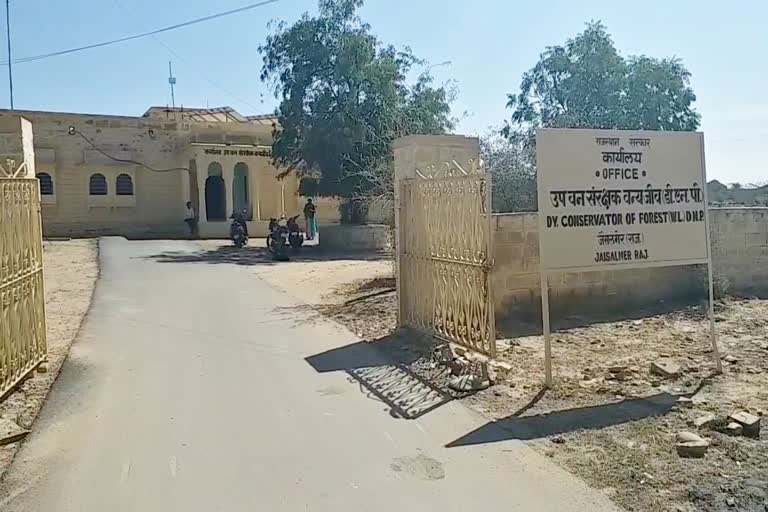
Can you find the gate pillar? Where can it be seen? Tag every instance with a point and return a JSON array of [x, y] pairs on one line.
[[420, 152], [444, 240]]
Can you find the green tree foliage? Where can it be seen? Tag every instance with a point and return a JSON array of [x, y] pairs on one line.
[[511, 164], [586, 83], [344, 97]]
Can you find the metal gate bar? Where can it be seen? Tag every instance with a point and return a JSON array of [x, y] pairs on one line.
[[446, 255], [22, 296]]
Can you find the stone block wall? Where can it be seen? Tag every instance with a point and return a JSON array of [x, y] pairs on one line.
[[354, 238], [740, 250], [740, 263]]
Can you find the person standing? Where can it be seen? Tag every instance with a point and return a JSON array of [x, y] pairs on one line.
[[309, 217], [191, 219]]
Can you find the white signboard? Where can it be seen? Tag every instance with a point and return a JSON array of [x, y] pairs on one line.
[[620, 199]]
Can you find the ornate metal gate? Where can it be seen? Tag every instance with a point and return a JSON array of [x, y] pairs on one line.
[[446, 255], [22, 298]]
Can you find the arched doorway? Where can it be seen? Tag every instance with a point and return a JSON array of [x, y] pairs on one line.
[[240, 199], [215, 194]]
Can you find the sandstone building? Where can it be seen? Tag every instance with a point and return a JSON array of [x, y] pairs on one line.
[[131, 176]]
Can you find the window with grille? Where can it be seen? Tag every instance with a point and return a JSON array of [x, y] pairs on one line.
[[97, 185], [46, 184], [124, 185]]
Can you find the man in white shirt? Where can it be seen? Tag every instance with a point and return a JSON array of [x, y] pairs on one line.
[[191, 219]]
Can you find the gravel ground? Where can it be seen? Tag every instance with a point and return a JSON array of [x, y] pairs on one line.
[[70, 269], [615, 430], [618, 434]]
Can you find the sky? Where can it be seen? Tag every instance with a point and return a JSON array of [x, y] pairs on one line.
[[489, 44]]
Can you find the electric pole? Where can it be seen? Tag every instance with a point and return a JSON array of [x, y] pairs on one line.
[[8, 31], [172, 81]]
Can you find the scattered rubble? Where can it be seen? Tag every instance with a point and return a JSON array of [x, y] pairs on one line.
[[705, 421], [730, 359], [666, 368], [501, 366], [458, 350], [689, 445], [465, 383], [10, 432], [734, 429], [749, 422]]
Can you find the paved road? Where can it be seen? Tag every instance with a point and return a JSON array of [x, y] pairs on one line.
[[189, 390]]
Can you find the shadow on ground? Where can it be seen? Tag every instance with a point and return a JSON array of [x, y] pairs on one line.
[[526, 321], [382, 369], [561, 422], [258, 255]]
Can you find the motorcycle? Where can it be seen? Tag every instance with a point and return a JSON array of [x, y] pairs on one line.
[[238, 231], [295, 237], [278, 239]]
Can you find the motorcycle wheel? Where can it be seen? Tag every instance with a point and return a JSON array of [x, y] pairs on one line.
[[279, 252]]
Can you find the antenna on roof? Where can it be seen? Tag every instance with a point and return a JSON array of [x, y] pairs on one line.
[[172, 82]]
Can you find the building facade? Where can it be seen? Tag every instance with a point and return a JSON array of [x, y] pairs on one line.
[[132, 176]]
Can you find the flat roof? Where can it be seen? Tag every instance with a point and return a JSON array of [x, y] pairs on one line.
[[79, 114], [199, 115]]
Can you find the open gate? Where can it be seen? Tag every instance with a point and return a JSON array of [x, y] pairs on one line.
[[22, 297], [445, 256]]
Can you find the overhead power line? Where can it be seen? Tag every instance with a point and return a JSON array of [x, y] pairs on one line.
[[144, 34], [74, 131], [192, 66]]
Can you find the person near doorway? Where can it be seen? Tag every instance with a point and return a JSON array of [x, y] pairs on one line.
[[191, 219], [309, 217]]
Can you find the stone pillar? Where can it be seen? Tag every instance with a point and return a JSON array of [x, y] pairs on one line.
[[185, 188], [201, 177], [419, 152], [16, 143], [229, 184]]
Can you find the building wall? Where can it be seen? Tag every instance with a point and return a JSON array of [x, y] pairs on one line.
[[740, 263], [740, 250], [329, 213], [327, 209], [347, 238], [157, 206], [70, 161]]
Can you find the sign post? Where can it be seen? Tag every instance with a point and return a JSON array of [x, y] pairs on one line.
[[614, 200], [710, 277], [546, 328]]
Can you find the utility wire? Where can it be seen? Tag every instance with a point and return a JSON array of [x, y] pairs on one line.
[[144, 34], [74, 131], [192, 66]]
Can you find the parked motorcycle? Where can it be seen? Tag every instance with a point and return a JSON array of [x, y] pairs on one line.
[[278, 239], [295, 236], [238, 230]]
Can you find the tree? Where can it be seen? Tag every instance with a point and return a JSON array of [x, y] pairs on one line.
[[511, 164], [344, 98], [586, 83]]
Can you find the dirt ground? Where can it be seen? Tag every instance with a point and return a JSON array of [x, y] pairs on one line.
[[70, 269], [614, 429]]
